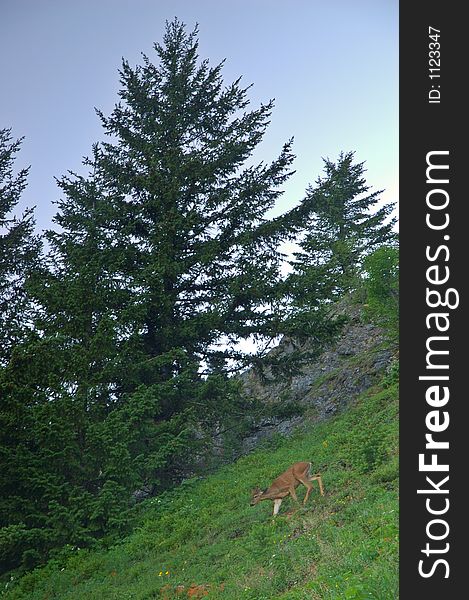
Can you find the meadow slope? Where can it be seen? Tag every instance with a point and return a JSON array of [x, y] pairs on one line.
[[204, 540]]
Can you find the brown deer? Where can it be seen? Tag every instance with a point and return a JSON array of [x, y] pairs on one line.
[[286, 483]]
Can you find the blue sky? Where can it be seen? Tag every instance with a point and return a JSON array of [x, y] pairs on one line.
[[332, 67]]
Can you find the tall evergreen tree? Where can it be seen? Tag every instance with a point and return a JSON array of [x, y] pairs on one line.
[[343, 229], [19, 249], [185, 244], [204, 258]]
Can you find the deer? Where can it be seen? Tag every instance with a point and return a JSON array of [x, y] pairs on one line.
[[285, 485]]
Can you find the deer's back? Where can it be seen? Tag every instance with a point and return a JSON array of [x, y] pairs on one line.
[[290, 477]]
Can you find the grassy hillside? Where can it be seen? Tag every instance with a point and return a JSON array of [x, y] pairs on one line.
[[204, 540]]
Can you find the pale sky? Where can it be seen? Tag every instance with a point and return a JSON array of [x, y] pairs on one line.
[[331, 65]]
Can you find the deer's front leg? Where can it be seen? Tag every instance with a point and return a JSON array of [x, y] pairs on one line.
[[319, 480], [309, 487], [277, 503]]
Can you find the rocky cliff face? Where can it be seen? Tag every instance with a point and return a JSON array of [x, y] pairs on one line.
[[327, 384]]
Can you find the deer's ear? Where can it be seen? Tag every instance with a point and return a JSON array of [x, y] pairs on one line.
[[255, 491]]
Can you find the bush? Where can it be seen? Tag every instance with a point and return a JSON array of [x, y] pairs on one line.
[[381, 281]]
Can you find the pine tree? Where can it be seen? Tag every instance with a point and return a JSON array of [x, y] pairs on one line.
[[19, 249], [204, 258], [343, 229], [185, 241]]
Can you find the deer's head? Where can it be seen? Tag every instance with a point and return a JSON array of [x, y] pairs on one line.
[[256, 496]]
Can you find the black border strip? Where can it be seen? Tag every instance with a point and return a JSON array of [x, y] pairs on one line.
[[432, 119]]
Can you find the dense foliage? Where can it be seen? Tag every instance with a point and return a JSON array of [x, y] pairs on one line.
[[381, 282], [120, 343], [19, 250]]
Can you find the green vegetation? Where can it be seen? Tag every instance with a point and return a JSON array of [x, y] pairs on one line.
[[121, 329], [381, 269], [19, 249], [202, 539]]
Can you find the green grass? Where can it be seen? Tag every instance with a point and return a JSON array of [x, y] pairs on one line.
[[204, 534]]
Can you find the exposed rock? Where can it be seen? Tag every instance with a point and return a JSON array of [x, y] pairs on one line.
[[265, 430], [326, 385], [143, 494]]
